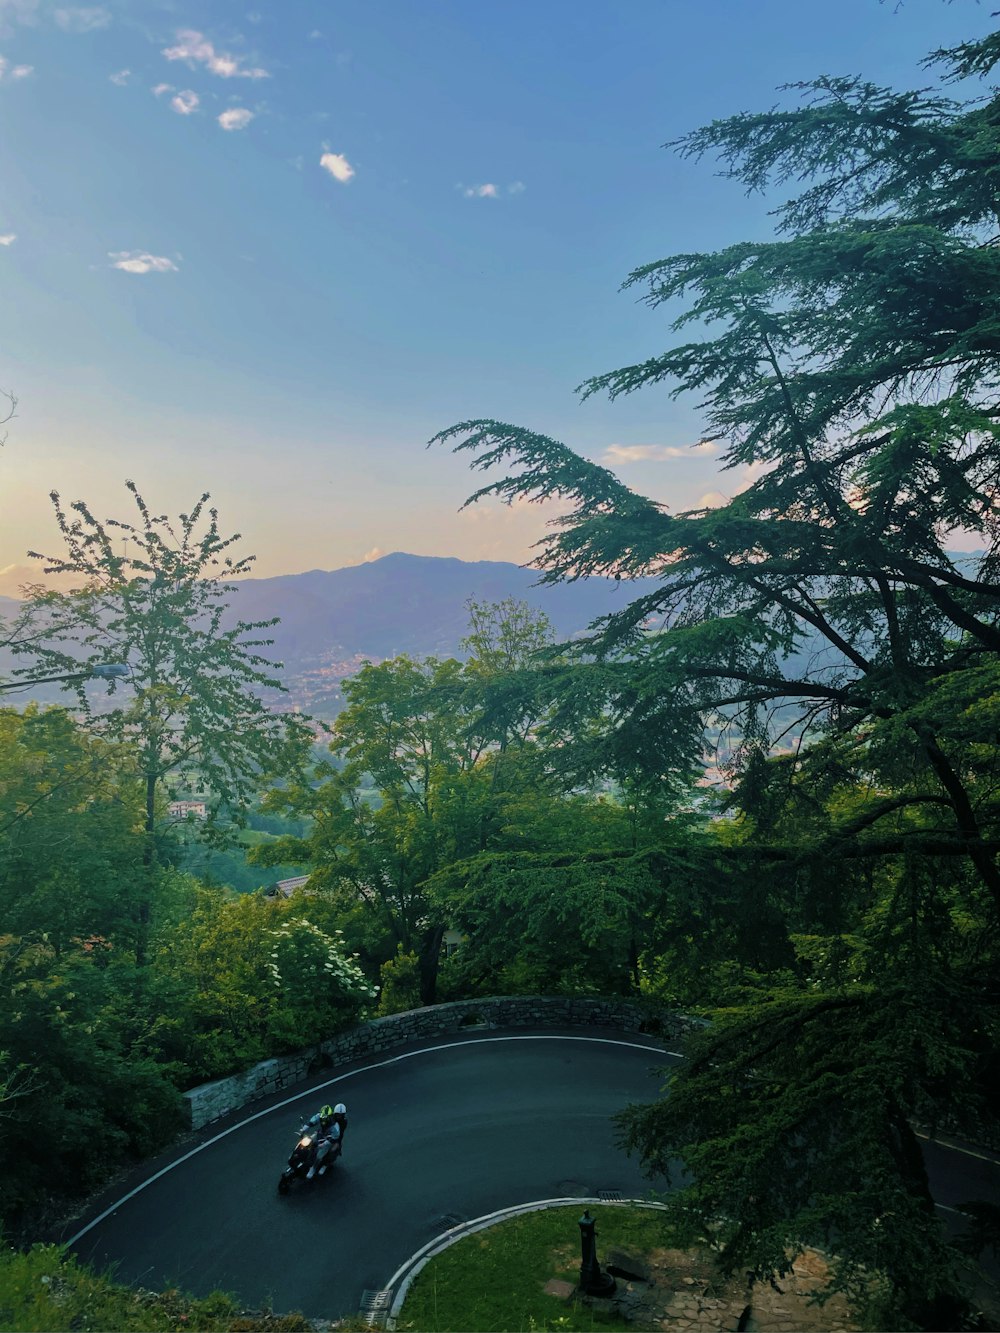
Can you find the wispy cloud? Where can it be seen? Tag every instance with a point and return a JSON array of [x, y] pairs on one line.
[[15, 578], [162, 88], [376, 553], [489, 190], [121, 78], [185, 102], [653, 453], [236, 118], [82, 18], [15, 13], [195, 49], [338, 166], [9, 239], [9, 71], [138, 261]]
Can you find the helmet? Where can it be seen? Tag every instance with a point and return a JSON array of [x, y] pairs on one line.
[[340, 1109], [325, 1112]]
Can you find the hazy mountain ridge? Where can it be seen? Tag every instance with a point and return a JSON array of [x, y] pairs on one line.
[[332, 620]]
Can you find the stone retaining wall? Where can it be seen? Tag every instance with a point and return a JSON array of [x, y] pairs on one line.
[[211, 1101]]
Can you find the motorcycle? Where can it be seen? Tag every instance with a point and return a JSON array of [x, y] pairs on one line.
[[304, 1156]]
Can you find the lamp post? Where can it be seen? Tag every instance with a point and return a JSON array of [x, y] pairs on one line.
[[102, 671], [593, 1282]]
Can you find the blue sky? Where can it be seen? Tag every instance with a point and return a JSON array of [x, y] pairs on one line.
[[268, 249]]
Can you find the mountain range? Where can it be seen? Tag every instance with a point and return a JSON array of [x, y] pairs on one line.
[[332, 620]]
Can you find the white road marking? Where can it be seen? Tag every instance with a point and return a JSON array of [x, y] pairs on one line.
[[340, 1078], [409, 1270], [952, 1146]]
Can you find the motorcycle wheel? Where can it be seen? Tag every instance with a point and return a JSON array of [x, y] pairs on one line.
[[283, 1184]]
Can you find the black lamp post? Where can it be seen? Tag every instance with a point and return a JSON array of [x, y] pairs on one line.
[[593, 1281]]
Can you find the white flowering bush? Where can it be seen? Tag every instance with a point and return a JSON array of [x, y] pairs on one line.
[[317, 985]]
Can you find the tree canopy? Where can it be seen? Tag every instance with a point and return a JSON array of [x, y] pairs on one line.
[[850, 365], [154, 596]]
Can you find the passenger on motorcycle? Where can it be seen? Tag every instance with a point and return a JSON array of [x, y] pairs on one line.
[[328, 1134], [340, 1118]]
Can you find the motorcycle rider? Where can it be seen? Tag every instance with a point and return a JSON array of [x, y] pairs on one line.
[[328, 1133], [340, 1118]]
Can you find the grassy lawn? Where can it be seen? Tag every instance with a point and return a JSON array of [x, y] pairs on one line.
[[493, 1281]]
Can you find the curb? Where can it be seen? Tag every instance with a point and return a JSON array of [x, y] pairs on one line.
[[407, 1271]]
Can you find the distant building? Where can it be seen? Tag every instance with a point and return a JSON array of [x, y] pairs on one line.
[[181, 809], [286, 887]]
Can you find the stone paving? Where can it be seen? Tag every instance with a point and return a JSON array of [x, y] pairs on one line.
[[683, 1294]]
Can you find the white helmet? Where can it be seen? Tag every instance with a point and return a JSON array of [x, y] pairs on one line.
[[340, 1109]]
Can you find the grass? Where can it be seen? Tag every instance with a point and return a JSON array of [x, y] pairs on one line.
[[493, 1281], [46, 1291]]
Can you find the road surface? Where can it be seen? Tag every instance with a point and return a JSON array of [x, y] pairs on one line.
[[437, 1136]]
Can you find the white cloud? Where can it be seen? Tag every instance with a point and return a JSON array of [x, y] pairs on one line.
[[162, 88], [338, 166], [138, 261], [14, 13], [479, 191], [516, 187], [15, 578], [82, 19], [185, 102], [9, 239], [9, 71], [121, 78], [376, 553], [236, 118], [195, 49], [653, 453]]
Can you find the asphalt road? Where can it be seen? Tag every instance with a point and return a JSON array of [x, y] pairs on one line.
[[436, 1136]]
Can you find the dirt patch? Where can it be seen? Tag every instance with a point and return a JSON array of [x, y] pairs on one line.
[[685, 1294]]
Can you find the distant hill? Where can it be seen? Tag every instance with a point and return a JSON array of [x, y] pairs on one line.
[[410, 604], [331, 620]]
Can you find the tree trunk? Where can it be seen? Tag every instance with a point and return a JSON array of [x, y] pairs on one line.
[[430, 960]]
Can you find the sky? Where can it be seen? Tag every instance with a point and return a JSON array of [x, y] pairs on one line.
[[268, 249]]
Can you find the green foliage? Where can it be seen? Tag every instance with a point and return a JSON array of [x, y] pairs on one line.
[[250, 977], [400, 984], [851, 365], [444, 744], [193, 699], [47, 1291], [77, 1076], [791, 1122], [70, 852]]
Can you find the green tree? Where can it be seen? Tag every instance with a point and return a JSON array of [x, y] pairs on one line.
[[154, 595], [442, 743], [87, 1100], [70, 850], [852, 365], [250, 976]]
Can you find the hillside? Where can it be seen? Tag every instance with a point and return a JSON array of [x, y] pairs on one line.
[[331, 620]]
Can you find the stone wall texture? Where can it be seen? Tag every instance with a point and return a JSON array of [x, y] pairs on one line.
[[212, 1101]]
